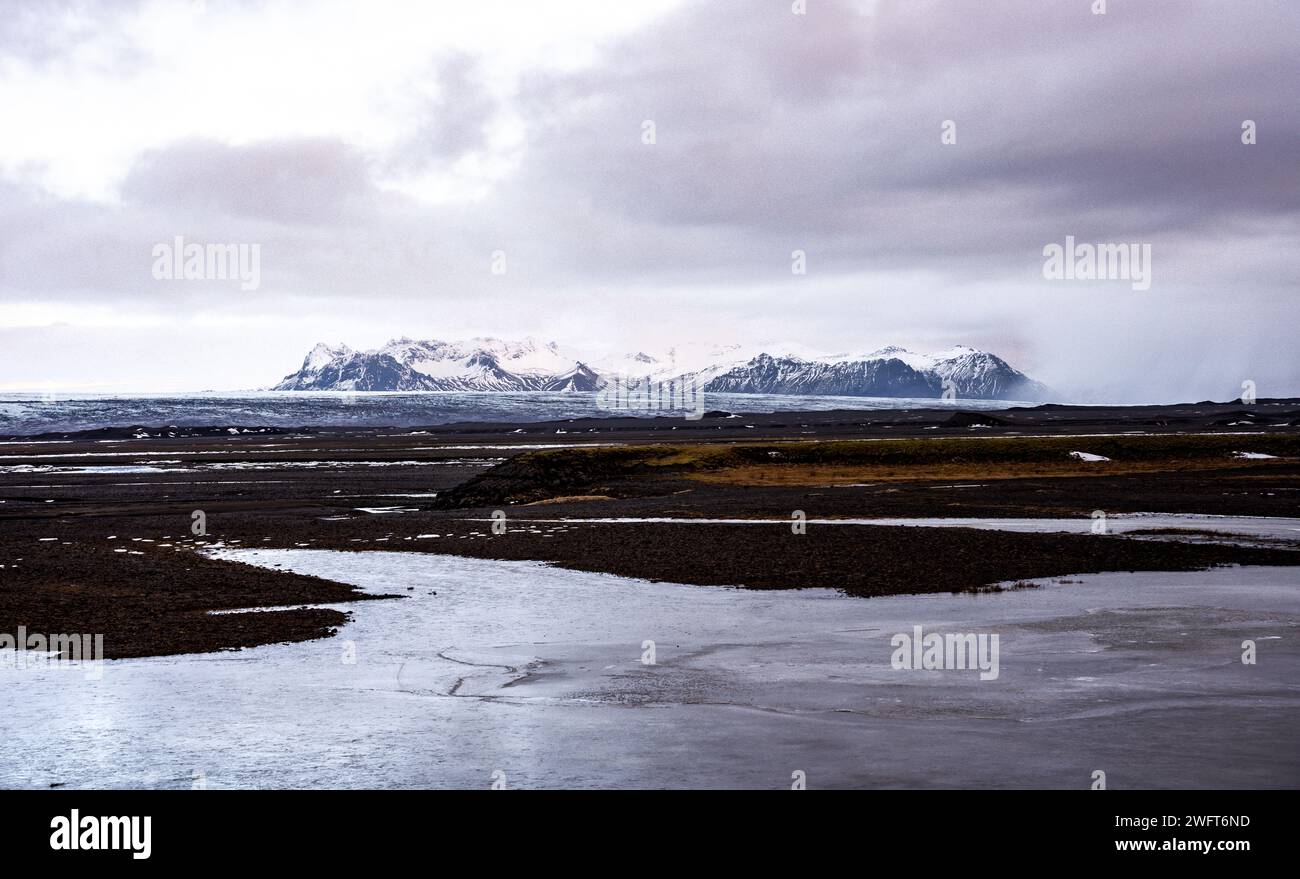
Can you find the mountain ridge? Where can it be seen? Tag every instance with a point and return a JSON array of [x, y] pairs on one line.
[[493, 364]]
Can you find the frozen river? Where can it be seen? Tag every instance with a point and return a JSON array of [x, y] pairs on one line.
[[535, 676]]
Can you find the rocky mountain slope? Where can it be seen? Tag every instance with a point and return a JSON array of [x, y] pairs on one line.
[[489, 364]]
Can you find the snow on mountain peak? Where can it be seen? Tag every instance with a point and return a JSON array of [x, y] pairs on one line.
[[494, 364], [917, 360], [323, 354], [954, 352]]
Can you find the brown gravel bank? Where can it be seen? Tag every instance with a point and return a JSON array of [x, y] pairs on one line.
[[157, 603], [860, 560]]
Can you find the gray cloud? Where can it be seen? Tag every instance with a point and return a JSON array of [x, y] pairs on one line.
[[829, 126], [451, 124], [46, 33], [305, 183]]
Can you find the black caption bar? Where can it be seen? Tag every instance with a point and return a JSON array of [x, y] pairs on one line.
[[72, 828]]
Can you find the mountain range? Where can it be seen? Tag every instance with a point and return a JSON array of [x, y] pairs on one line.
[[489, 364]]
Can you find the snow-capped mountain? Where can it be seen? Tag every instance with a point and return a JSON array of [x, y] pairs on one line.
[[483, 364], [766, 374], [888, 372], [489, 364]]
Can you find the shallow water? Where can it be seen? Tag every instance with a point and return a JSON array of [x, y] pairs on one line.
[[537, 672]]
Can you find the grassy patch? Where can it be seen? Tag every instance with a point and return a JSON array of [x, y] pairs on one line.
[[550, 473]]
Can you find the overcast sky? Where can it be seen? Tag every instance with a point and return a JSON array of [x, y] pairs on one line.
[[379, 154]]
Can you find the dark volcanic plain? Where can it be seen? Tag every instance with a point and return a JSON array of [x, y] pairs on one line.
[[97, 528]]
